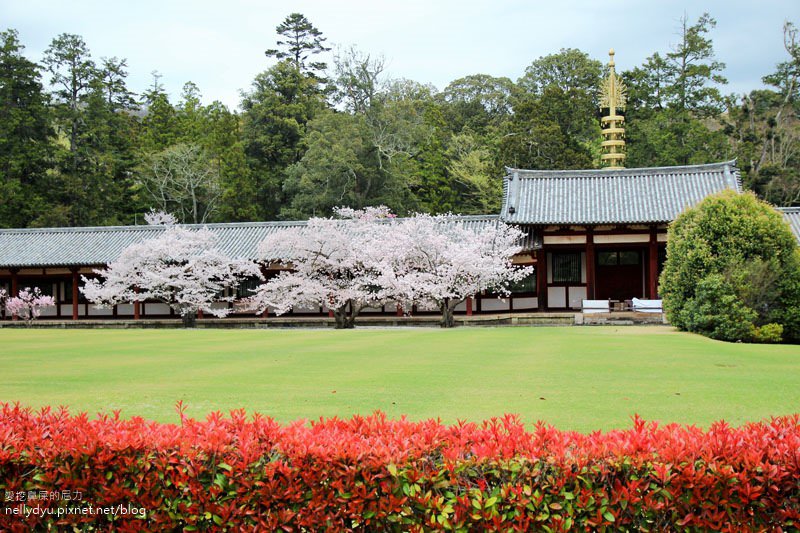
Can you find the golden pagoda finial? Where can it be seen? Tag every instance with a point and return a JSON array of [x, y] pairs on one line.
[[613, 98]]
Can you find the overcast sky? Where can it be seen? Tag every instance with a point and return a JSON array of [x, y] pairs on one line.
[[220, 44]]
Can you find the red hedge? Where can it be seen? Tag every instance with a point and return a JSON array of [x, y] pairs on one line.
[[371, 473]]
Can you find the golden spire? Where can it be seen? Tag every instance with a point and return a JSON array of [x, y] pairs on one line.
[[612, 97]]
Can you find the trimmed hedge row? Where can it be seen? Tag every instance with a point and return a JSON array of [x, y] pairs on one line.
[[371, 473]]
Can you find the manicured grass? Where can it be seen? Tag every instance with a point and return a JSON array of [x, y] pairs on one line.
[[580, 378]]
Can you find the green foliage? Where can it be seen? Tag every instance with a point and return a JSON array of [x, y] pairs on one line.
[[299, 40], [471, 170], [479, 102], [275, 113], [715, 310], [668, 137], [765, 133], [566, 83], [768, 334], [674, 102], [69, 157], [89, 183], [731, 268], [691, 69], [345, 165], [25, 135]]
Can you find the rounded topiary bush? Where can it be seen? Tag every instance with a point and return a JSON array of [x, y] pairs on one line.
[[733, 271]]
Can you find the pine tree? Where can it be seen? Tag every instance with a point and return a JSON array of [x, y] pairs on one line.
[[299, 41]]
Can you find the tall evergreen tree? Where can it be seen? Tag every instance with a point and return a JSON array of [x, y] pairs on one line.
[[93, 111], [160, 124], [672, 98], [73, 71], [25, 135], [693, 71], [223, 141], [275, 113], [298, 41]]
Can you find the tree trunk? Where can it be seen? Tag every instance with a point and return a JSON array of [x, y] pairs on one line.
[[339, 315], [345, 319], [189, 319], [448, 320]]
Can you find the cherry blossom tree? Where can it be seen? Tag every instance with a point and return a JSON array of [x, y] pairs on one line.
[[439, 262], [182, 268], [336, 262], [28, 304], [367, 258], [160, 218]]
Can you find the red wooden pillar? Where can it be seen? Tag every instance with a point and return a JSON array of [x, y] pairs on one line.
[[590, 263], [14, 287], [469, 306], [199, 314], [14, 283], [399, 311], [74, 293], [136, 305], [265, 314], [652, 278], [541, 278], [330, 313]]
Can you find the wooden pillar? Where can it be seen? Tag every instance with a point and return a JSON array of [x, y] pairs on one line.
[[199, 314], [469, 306], [14, 283], [14, 287], [652, 276], [541, 278], [590, 281], [74, 293], [265, 314], [399, 311], [136, 305]]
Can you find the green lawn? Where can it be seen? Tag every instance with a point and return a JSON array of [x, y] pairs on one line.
[[581, 378]]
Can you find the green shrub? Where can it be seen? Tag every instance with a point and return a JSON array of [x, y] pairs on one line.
[[717, 312], [768, 333], [732, 268]]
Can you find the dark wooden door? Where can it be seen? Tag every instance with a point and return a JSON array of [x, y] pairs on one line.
[[619, 275]]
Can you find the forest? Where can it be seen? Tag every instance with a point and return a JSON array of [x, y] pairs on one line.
[[79, 148]]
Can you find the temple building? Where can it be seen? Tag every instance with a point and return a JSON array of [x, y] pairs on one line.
[[596, 234]]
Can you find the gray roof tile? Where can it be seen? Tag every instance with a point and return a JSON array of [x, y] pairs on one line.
[[99, 245], [792, 216], [54, 247], [634, 195]]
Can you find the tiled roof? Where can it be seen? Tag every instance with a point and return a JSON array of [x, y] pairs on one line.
[[633, 195], [99, 245], [792, 216]]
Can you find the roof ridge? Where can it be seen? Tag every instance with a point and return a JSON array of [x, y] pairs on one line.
[[605, 172], [145, 227], [215, 225]]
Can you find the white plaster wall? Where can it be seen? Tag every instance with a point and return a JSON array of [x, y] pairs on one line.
[[556, 297], [494, 304], [530, 302], [156, 309], [576, 297]]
